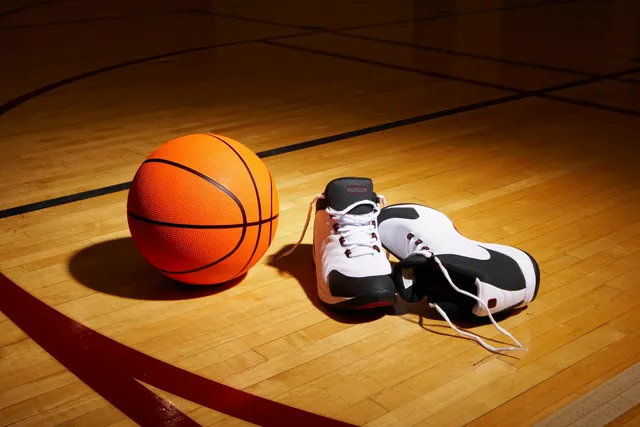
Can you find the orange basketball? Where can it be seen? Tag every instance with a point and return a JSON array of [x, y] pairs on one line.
[[203, 209]]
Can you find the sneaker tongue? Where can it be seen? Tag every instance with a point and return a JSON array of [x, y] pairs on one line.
[[406, 275], [342, 192]]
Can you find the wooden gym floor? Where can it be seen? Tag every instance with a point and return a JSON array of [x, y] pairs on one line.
[[518, 118]]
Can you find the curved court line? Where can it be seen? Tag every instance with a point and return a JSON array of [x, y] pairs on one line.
[[20, 9], [114, 370], [87, 20], [10, 105]]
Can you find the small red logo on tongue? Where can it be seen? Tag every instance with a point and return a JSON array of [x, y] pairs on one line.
[[356, 190]]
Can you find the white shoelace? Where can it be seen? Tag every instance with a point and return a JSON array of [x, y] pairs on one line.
[[429, 254], [358, 231], [364, 226]]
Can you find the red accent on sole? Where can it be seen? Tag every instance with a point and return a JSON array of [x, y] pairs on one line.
[[111, 369], [376, 304]]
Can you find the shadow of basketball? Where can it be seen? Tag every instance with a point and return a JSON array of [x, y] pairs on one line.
[[300, 265], [116, 267]]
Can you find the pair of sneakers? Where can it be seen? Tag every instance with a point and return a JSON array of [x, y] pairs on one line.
[[352, 228]]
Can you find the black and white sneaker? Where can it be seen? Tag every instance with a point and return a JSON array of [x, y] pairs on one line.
[[352, 270], [438, 263]]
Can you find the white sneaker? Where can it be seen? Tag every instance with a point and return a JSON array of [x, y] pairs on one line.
[[438, 263], [352, 270]]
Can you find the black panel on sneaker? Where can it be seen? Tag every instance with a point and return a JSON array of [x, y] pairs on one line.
[[499, 270], [502, 277], [536, 269], [342, 192], [345, 286], [416, 277], [352, 270], [407, 284], [404, 213]]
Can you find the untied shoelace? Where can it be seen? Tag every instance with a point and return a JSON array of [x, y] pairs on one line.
[[352, 225], [359, 231]]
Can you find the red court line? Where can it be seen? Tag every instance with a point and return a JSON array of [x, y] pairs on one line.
[[111, 369]]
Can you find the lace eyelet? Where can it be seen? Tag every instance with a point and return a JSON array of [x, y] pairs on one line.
[[341, 240], [425, 248], [410, 236], [347, 253], [376, 248], [336, 227], [374, 235], [373, 223], [418, 242]]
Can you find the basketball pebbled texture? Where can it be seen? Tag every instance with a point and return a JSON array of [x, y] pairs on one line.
[[203, 209]]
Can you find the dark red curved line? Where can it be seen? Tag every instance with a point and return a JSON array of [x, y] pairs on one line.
[[111, 369]]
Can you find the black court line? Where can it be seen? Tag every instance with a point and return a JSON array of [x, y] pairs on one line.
[[9, 105], [31, 207], [437, 14], [20, 9], [88, 20], [333, 138], [169, 12], [478, 83], [458, 14], [623, 80], [589, 104], [464, 54], [440, 14], [475, 56], [259, 21], [395, 67]]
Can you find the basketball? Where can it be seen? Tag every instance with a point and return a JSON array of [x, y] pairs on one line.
[[203, 209]]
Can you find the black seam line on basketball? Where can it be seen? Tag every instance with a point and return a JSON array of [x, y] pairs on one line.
[[255, 188], [206, 178], [25, 7], [200, 226], [536, 93], [270, 207], [11, 104], [329, 139], [227, 192]]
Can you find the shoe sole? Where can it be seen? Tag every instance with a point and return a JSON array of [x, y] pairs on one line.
[[373, 300]]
